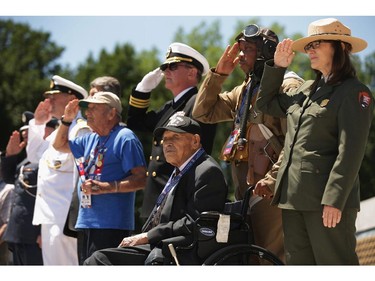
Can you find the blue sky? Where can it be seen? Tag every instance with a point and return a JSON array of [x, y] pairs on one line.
[[87, 28], [81, 35]]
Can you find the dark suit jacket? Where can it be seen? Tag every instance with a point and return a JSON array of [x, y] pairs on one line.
[[20, 228], [139, 119], [202, 188]]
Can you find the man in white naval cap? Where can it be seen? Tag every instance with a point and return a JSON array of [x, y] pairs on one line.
[[182, 70], [57, 172]]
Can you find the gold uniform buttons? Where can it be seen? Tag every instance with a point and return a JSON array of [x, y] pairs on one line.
[[147, 173], [150, 157], [157, 158], [154, 174], [156, 142]]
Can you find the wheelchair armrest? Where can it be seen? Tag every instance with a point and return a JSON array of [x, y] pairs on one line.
[[214, 215], [179, 242]]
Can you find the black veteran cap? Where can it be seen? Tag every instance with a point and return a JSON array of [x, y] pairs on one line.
[[26, 117], [62, 85], [180, 124], [178, 52], [53, 123]]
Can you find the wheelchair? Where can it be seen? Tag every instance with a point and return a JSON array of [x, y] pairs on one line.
[[226, 238]]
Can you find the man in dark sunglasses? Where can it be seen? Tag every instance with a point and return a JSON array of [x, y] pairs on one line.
[[182, 71], [256, 139]]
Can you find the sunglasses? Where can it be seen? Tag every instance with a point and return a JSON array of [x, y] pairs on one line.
[[174, 66], [314, 45], [53, 96]]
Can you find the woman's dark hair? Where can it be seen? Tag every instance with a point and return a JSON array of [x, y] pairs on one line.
[[342, 67]]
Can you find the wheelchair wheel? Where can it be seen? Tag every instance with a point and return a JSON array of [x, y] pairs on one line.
[[243, 254]]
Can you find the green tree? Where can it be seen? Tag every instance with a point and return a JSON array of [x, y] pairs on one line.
[[27, 61]]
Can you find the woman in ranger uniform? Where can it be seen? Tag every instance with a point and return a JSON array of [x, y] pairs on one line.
[[328, 123]]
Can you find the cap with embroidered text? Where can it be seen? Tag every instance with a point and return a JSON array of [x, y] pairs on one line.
[[180, 124]]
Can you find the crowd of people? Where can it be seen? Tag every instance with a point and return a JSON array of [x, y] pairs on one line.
[[69, 176]]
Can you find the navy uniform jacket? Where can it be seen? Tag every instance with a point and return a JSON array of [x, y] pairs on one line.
[[325, 142], [20, 228], [141, 120]]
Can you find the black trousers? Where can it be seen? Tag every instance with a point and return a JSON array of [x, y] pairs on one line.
[[26, 254], [120, 256], [91, 240]]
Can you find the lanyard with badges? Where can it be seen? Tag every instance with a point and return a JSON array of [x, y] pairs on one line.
[[95, 160], [174, 180], [242, 106], [237, 135], [244, 100]]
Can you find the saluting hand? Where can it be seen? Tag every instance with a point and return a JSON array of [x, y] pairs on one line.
[[228, 60], [43, 112], [15, 145], [150, 81], [71, 110], [284, 54]]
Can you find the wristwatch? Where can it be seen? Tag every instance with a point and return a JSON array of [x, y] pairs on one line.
[[65, 122]]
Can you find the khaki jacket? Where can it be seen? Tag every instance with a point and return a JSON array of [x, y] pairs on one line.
[[214, 106]]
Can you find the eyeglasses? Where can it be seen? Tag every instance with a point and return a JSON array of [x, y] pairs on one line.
[[314, 45], [174, 66], [53, 96]]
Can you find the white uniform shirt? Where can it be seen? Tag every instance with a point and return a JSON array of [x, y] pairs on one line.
[[56, 175]]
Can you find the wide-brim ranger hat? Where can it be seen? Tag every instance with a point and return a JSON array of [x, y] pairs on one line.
[[179, 52], [180, 124], [62, 85], [329, 29], [103, 98]]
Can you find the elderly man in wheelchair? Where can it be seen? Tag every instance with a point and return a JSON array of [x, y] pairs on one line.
[[188, 225]]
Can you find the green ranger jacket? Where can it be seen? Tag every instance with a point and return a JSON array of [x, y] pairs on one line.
[[325, 141]]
